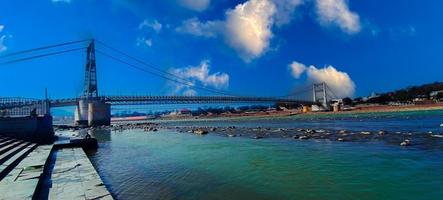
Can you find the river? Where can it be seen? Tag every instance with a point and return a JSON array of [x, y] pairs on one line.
[[171, 165]]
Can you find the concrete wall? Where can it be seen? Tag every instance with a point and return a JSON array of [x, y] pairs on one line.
[[34, 129]]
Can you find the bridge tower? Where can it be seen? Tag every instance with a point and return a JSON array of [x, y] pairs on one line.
[[90, 85], [92, 110], [319, 96]]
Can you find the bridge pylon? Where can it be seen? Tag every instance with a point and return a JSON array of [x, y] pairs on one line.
[[91, 110], [319, 96]]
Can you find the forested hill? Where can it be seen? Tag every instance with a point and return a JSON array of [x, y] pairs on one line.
[[408, 94]]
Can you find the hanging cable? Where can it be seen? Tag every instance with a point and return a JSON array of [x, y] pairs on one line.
[[40, 56], [160, 75], [41, 48]]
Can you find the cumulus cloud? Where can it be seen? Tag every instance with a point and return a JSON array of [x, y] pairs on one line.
[[152, 24], [196, 5], [248, 27], [199, 75], [337, 12], [339, 82], [297, 69], [195, 27]]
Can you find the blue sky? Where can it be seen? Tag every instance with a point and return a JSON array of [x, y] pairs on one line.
[[254, 47]]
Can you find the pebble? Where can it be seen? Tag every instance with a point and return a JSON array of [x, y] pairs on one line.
[[406, 142]]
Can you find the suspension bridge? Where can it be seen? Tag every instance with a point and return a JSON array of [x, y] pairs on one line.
[[93, 109]]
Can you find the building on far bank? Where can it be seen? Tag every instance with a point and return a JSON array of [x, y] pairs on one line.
[[436, 95]]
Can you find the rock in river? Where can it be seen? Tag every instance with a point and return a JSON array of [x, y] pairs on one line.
[[200, 131], [406, 142]]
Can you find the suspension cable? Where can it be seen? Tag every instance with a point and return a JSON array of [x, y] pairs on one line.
[[41, 48], [40, 56], [160, 75]]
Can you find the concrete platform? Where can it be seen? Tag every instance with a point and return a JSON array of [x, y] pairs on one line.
[[32, 171], [74, 177], [23, 181]]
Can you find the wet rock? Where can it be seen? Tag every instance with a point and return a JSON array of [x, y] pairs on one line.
[[303, 137], [258, 137], [441, 125], [200, 131], [406, 142], [343, 131], [232, 135], [365, 133], [213, 129], [340, 139], [381, 132], [310, 131]]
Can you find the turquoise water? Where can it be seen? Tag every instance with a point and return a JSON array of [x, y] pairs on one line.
[[170, 165]]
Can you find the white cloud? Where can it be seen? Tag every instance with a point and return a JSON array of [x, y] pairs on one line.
[[196, 5], [339, 82], [199, 74], [154, 25], [2, 40], [248, 27], [61, 1], [337, 12], [297, 69], [194, 27], [142, 41]]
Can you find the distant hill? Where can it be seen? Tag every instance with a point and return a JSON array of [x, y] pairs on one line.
[[407, 94]]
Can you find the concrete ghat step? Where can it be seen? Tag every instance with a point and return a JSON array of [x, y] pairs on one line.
[[11, 152], [23, 181], [8, 147], [17, 156], [3, 138], [74, 177], [5, 142]]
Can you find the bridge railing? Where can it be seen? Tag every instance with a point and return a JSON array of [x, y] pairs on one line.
[[16, 107]]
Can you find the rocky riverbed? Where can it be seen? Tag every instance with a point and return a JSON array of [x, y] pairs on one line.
[[426, 140]]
